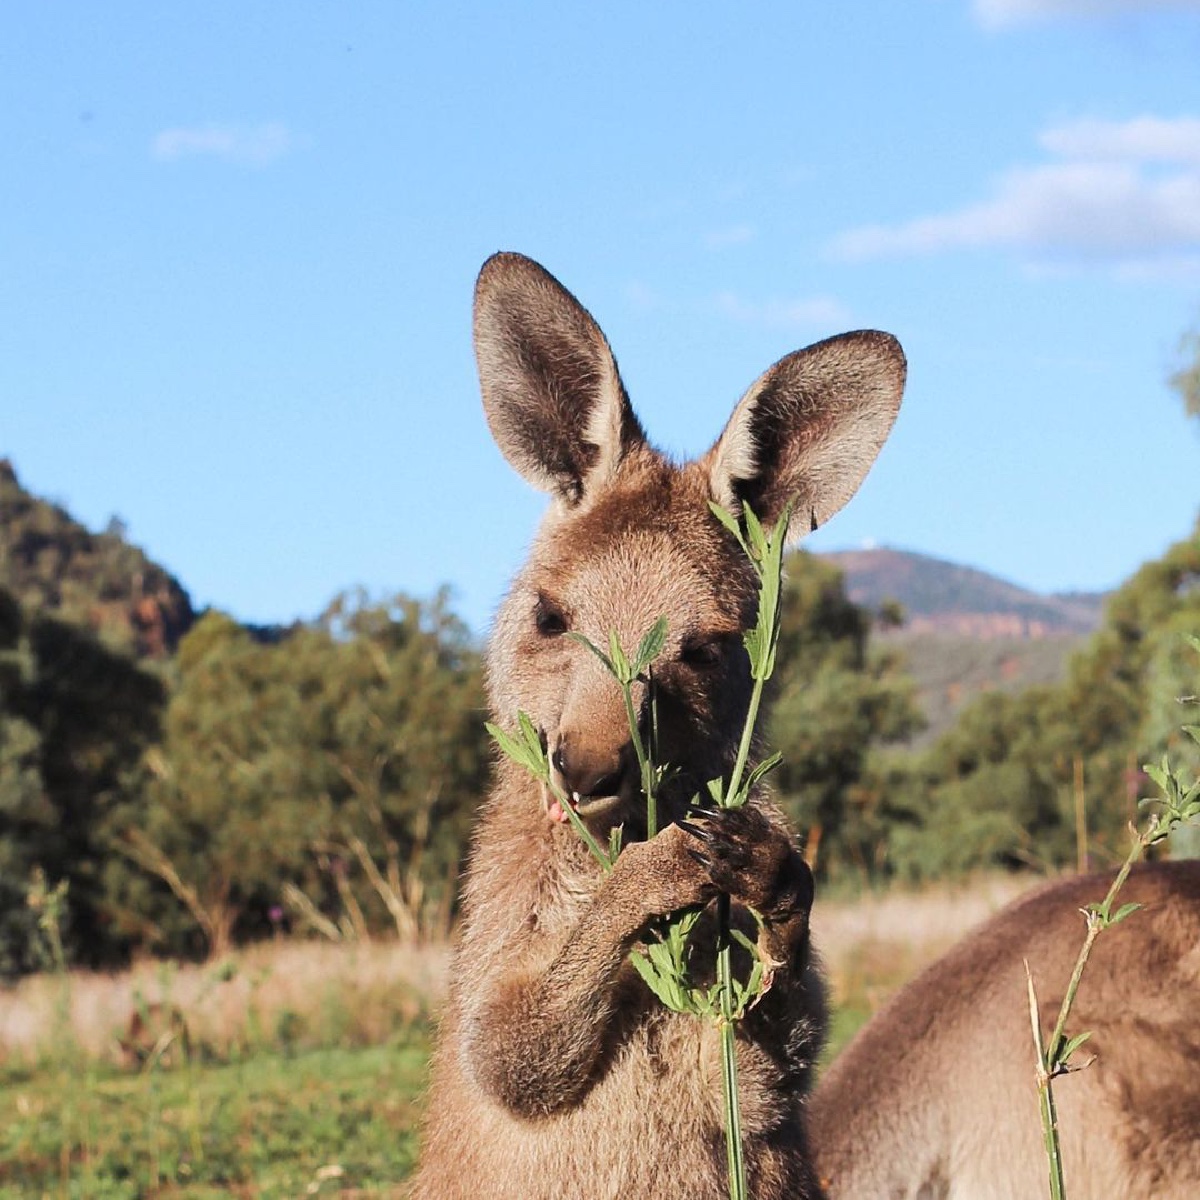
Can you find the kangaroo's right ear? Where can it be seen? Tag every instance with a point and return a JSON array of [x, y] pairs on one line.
[[808, 430], [553, 397]]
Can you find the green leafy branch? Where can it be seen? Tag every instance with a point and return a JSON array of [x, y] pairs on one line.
[[1178, 804], [627, 672], [527, 750]]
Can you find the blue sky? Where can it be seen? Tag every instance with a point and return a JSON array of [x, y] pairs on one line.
[[238, 242]]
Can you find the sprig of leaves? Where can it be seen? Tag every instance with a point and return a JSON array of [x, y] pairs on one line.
[[527, 750], [665, 966], [765, 552], [1178, 804], [627, 672]]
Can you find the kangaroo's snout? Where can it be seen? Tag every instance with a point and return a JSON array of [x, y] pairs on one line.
[[587, 771]]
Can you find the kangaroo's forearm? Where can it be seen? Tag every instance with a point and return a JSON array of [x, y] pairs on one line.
[[535, 1041]]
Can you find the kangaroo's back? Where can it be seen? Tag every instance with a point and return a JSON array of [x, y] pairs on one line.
[[936, 1096], [558, 1073]]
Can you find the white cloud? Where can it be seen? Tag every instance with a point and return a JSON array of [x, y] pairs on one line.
[[807, 314], [1122, 192], [733, 235], [250, 145], [1182, 269], [641, 296], [1144, 140], [999, 14]]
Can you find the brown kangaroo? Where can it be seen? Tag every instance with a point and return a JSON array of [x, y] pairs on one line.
[[935, 1099], [557, 1073]]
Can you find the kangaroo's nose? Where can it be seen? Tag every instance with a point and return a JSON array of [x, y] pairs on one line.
[[587, 774]]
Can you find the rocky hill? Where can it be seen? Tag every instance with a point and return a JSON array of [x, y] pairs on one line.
[[944, 597], [52, 563], [964, 631]]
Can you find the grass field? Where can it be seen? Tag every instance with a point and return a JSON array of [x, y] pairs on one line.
[[297, 1069], [323, 1122]]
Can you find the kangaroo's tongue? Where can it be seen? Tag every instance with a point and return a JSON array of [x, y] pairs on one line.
[[555, 811]]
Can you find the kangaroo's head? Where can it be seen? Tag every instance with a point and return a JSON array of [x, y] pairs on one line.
[[629, 535]]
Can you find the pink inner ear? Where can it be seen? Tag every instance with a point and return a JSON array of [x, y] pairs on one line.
[[551, 391], [810, 428]]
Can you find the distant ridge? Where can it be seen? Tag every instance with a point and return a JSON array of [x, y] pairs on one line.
[[944, 597], [52, 563]]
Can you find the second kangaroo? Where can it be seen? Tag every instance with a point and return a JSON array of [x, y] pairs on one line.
[[558, 1074]]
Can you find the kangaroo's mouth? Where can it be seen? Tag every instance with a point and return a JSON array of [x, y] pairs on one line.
[[587, 807]]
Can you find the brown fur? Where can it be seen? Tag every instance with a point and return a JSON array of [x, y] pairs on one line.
[[557, 1073], [936, 1099]]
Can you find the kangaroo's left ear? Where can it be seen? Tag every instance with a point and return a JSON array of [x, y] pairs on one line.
[[809, 429], [551, 390]]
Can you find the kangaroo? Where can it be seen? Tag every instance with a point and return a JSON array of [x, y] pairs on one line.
[[936, 1098], [557, 1073]]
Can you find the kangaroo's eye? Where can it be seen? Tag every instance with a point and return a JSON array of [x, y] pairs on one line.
[[701, 653], [549, 618]]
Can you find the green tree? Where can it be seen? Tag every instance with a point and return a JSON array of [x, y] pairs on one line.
[[232, 801], [75, 721], [352, 746], [97, 581], [1008, 782], [1186, 378], [406, 748]]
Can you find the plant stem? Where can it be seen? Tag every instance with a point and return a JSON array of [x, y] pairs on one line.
[[577, 823], [743, 756], [1050, 1138], [727, 1025], [645, 763], [1093, 931], [1051, 1061], [1046, 1106]]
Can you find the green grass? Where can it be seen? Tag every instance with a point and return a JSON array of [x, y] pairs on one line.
[[324, 1123]]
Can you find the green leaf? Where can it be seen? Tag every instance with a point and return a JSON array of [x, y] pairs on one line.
[[650, 647], [1069, 1048], [620, 664], [725, 517], [521, 750], [662, 964], [533, 740], [1160, 775], [758, 539], [730, 522], [655, 981], [742, 940], [583, 641], [765, 768], [508, 745], [1124, 911], [615, 837], [753, 640]]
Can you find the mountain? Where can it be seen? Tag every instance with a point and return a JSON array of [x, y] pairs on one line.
[[944, 597], [52, 563], [964, 631]]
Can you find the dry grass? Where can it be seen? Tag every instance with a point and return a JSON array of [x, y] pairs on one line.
[[873, 944], [298, 995], [291, 994], [928, 920]]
